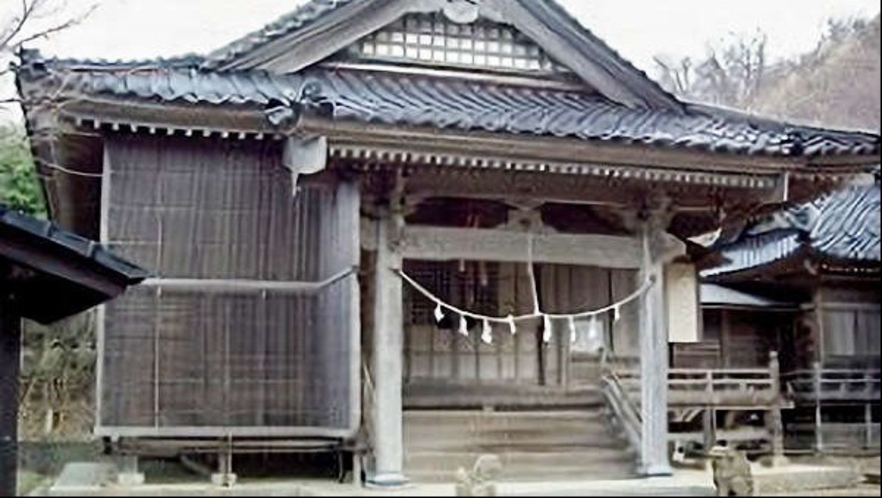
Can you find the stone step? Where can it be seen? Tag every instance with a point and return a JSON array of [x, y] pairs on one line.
[[451, 396], [523, 465], [449, 430], [532, 445], [459, 416], [520, 460], [538, 442], [432, 477], [501, 427]]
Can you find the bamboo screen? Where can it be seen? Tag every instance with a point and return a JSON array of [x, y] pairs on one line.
[[251, 357]]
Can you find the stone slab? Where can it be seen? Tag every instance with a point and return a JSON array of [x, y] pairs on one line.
[[788, 479]]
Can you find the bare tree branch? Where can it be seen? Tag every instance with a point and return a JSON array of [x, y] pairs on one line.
[[60, 27], [14, 36], [19, 23], [731, 74]]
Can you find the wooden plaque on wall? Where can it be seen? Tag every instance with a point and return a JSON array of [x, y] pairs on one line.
[[681, 291]]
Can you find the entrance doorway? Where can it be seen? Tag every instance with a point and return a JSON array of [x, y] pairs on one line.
[[444, 367]]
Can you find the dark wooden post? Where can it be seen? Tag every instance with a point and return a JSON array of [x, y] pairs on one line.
[[10, 357]]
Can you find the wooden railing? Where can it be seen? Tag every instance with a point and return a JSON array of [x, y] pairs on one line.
[[725, 387], [820, 385], [625, 414], [704, 390], [833, 384]]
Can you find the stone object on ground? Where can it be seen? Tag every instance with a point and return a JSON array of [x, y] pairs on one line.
[[480, 481], [223, 479], [731, 470]]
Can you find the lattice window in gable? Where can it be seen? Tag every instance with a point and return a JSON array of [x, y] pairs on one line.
[[433, 39]]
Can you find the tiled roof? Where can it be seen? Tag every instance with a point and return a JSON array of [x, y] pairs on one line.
[[843, 225], [848, 225], [75, 244], [454, 104], [56, 273]]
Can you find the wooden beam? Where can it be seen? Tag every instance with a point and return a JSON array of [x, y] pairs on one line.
[[171, 117], [212, 286], [343, 134], [522, 186], [446, 244]]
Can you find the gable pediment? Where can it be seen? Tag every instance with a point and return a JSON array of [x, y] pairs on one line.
[[529, 36], [434, 40]]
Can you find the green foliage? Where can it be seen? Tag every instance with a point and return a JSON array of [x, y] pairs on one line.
[[28, 482], [19, 188]]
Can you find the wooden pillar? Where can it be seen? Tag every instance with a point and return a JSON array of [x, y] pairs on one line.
[[10, 361], [709, 429], [868, 410], [774, 421], [816, 377], [709, 418], [654, 459], [387, 358]]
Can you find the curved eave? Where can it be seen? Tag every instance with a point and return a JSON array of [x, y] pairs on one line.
[[757, 256], [248, 120], [730, 172], [827, 263], [451, 104]]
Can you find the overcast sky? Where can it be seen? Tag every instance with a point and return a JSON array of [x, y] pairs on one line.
[[638, 29]]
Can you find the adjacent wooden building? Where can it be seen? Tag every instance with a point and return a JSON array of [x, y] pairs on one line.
[[417, 224], [823, 258]]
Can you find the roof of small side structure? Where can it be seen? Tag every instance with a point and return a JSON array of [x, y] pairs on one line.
[[719, 296], [55, 273], [447, 103], [842, 226]]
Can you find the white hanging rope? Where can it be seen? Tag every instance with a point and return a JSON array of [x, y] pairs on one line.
[[534, 289], [441, 305]]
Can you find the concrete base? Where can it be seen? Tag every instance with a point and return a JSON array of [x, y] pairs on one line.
[[87, 474], [791, 479], [224, 480], [129, 479], [656, 471], [803, 478], [387, 481]]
